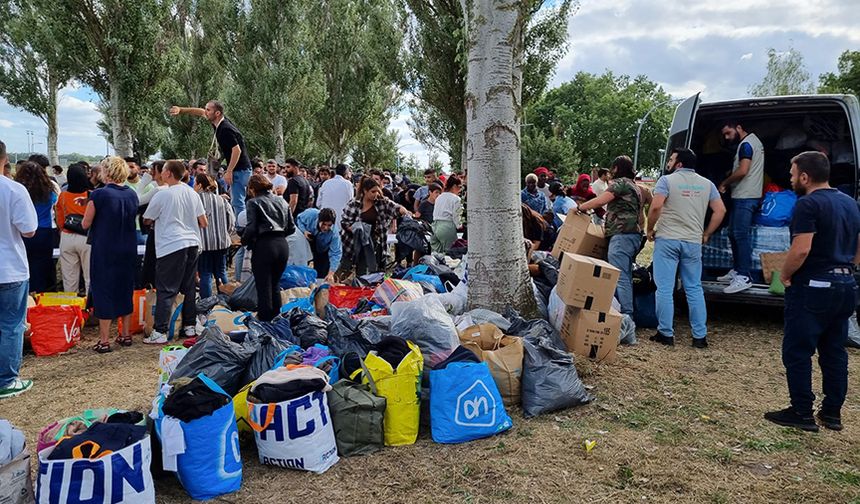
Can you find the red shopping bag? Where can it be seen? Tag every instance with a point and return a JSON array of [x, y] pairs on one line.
[[344, 296], [138, 316], [54, 329]]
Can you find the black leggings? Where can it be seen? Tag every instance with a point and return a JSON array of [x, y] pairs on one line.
[[268, 263], [40, 257]]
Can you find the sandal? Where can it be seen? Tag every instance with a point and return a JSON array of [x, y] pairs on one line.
[[102, 347], [125, 341]]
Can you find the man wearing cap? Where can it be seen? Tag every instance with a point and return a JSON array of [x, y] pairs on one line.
[[542, 185], [279, 183]]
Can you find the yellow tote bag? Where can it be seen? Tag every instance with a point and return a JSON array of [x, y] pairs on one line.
[[401, 389], [240, 407], [61, 299]]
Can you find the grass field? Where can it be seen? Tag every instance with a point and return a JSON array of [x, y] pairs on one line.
[[671, 425]]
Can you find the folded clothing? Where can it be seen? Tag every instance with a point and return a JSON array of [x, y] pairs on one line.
[[393, 349], [99, 440], [11, 442], [129, 417], [274, 393], [192, 401], [314, 354]]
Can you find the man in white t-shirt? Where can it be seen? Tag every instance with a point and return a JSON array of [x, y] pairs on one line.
[[336, 192], [178, 214], [17, 220], [601, 181], [279, 182]]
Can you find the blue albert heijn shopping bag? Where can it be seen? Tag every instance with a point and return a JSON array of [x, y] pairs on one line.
[[465, 403], [212, 463]]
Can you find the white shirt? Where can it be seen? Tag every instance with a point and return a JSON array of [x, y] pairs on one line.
[[599, 187], [17, 215], [448, 207], [545, 191], [277, 181], [335, 193], [175, 210]]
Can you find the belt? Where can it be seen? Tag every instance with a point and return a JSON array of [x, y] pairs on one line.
[[841, 271]]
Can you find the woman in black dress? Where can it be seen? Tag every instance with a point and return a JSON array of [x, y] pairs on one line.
[[110, 217]]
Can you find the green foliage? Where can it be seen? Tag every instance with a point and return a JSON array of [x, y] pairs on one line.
[[375, 147], [786, 75], [592, 119], [847, 78]]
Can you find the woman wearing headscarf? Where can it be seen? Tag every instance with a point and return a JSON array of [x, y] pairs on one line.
[[581, 191], [110, 218], [74, 249], [40, 248]]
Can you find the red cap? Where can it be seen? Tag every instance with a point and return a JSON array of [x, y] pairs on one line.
[[541, 170]]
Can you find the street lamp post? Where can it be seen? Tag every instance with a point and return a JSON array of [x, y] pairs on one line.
[[639, 130]]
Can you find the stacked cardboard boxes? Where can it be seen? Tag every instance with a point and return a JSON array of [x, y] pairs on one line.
[[591, 326], [578, 235]]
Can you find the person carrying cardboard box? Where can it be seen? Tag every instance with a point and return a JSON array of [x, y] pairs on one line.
[[681, 201]]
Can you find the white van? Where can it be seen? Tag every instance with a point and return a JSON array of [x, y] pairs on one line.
[[786, 125]]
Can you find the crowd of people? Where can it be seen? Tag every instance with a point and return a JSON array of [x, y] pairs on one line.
[[187, 215]]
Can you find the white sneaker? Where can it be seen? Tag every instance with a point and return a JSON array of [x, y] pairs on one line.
[[739, 283], [155, 338], [728, 277]]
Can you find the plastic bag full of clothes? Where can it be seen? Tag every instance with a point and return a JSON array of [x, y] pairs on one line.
[[537, 328], [309, 329], [550, 381], [344, 335], [426, 322], [220, 359], [244, 298], [268, 348]]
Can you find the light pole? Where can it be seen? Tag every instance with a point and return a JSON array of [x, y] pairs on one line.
[[639, 130]]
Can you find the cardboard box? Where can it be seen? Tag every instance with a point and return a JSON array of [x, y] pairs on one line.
[[591, 334], [578, 235], [586, 282]]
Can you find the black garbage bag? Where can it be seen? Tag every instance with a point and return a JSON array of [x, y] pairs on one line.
[[373, 329], [550, 381], [280, 328], [307, 328], [344, 335], [643, 280], [205, 306], [413, 233], [446, 274], [268, 347], [217, 357], [533, 328], [244, 298], [549, 270]]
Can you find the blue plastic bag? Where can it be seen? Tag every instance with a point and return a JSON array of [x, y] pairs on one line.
[[212, 463], [298, 276], [423, 273], [645, 311], [776, 209], [465, 404]]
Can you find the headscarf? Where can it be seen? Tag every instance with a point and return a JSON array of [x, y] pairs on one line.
[[582, 188], [77, 179]]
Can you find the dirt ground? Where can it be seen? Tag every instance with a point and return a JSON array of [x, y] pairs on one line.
[[671, 425]]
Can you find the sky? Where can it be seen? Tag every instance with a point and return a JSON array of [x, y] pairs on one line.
[[715, 47]]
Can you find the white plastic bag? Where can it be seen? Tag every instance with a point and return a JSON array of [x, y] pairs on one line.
[[555, 310], [168, 359], [425, 322], [853, 332], [454, 301], [628, 331]]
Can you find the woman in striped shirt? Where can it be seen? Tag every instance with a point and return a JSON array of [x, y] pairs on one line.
[[215, 238]]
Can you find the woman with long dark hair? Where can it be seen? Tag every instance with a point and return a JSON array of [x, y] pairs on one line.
[[74, 249], [214, 238], [269, 224], [370, 215], [40, 248]]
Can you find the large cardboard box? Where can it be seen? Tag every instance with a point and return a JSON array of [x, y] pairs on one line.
[[591, 334], [586, 282], [579, 235]]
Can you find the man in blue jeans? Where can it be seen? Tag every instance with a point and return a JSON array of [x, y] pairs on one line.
[[232, 146], [821, 294], [745, 181], [624, 202], [17, 220], [678, 208]]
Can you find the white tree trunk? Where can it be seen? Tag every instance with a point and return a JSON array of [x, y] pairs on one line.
[[120, 132], [498, 273], [53, 154], [280, 155], [463, 164]]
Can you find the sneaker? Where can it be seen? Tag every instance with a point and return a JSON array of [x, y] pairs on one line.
[[830, 421], [739, 283], [190, 331], [789, 418], [16, 388], [155, 338], [663, 340], [728, 277], [700, 342]]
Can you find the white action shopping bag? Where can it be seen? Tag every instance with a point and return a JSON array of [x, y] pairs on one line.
[[121, 477]]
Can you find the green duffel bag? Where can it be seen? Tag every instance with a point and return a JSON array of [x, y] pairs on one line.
[[357, 417]]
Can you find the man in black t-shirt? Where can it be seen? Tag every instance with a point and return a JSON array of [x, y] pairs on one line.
[[820, 295], [232, 147], [299, 193]]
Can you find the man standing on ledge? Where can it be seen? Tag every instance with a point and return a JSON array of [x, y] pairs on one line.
[[821, 294], [232, 147]]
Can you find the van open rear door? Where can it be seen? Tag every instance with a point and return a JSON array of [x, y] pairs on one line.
[[682, 123]]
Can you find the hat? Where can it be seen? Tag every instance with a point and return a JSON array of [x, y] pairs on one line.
[[541, 170]]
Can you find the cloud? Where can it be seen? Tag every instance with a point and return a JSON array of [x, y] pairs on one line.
[[6, 123], [747, 56]]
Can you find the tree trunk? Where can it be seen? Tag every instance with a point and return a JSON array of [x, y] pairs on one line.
[[280, 155], [120, 132], [498, 273], [53, 154], [463, 164]]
